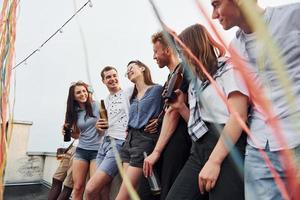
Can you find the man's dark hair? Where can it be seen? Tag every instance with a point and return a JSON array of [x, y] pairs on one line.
[[105, 69]]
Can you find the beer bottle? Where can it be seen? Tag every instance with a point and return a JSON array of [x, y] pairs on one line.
[[103, 111], [68, 130], [153, 181]]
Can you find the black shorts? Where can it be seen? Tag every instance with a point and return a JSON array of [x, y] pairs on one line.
[[136, 143]]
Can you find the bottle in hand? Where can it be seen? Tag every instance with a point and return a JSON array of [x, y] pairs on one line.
[[103, 111], [68, 130], [153, 181]]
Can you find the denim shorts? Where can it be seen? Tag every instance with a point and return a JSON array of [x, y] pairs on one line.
[[85, 155], [106, 160], [136, 143]]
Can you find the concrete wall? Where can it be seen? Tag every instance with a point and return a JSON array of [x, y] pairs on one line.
[[33, 167], [20, 167], [51, 163]]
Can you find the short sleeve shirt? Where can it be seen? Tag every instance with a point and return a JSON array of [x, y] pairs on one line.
[[89, 138], [148, 107], [118, 114]]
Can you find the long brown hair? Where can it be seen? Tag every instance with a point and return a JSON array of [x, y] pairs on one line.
[[73, 106], [146, 75], [204, 47]]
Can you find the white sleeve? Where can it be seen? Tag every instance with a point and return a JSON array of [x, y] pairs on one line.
[[232, 81]]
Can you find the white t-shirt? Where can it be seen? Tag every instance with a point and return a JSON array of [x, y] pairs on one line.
[[212, 108], [117, 106]]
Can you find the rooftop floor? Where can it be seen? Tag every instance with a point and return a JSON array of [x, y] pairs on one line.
[[26, 192]]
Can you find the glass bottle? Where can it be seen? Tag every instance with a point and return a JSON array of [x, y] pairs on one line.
[[153, 181], [68, 130], [103, 111]]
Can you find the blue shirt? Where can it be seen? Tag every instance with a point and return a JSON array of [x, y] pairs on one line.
[[284, 27], [89, 138], [148, 107]]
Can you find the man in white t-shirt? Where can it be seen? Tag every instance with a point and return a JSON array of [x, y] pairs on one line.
[[284, 27], [117, 105]]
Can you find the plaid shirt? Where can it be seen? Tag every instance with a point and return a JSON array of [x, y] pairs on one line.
[[196, 126]]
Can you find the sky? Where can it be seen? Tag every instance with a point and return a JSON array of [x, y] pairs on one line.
[[107, 33]]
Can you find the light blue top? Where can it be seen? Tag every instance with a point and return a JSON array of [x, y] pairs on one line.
[[284, 27], [89, 138], [148, 107]]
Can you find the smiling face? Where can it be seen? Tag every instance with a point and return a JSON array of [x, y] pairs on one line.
[[80, 94], [227, 12], [111, 80], [160, 54], [135, 72]]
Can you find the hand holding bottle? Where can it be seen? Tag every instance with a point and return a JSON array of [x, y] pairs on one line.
[[101, 125], [153, 181], [67, 131]]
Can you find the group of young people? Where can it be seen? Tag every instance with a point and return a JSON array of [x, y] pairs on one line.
[[187, 138]]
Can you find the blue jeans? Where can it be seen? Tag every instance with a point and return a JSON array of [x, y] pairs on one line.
[[106, 160], [259, 182]]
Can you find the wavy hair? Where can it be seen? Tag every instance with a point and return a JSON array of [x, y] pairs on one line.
[[71, 116]]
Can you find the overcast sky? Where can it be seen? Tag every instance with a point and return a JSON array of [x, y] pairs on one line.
[[110, 32]]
